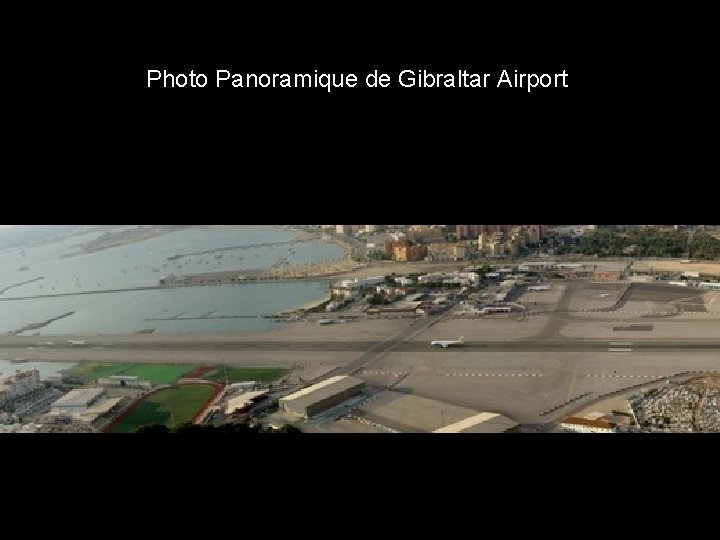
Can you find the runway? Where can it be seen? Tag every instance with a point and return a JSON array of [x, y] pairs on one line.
[[550, 345]]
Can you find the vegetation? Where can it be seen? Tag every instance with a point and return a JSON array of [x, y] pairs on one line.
[[704, 246], [169, 407], [378, 299], [320, 308], [91, 371], [247, 374], [158, 373], [482, 270], [614, 241], [155, 373], [379, 256]]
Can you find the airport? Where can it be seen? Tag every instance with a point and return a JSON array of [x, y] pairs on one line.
[[518, 80], [497, 346], [583, 340]]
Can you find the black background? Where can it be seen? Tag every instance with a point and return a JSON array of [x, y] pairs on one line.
[[625, 143], [396, 150], [621, 136], [105, 148]]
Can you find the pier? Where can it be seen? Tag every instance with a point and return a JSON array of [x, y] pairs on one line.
[[235, 248], [42, 324], [191, 280], [6, 289]]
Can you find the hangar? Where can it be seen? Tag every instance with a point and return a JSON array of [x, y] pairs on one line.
[[321, 396]]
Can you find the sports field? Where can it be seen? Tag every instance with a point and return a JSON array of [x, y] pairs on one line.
[[155, 373], [169, 406], [247, 374]]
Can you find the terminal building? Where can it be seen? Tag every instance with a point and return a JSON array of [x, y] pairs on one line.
[[321, 396]]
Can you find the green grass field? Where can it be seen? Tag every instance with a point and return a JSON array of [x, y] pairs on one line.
[[155, 373], [90, 371], [158, 373], [247, 374], [184, 401]]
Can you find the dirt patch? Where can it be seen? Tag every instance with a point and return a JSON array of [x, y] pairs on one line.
[[712, 268], [199, 372]]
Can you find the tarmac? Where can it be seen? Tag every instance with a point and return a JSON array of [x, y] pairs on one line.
[[559, 360]]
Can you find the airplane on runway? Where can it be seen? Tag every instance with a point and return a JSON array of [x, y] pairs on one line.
[[76, 341], [447, 343]]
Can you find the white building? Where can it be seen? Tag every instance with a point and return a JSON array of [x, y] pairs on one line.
[[77, 401], [377, 241], [539, 288], [84, 405], [321, 396], [709, 285], [18, 385], [243, 401], [586, 425], [464, 278], [357, 283]]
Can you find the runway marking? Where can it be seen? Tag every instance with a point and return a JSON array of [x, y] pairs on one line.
[[378, 372], [625, 375], [619, 350], [475, 374]]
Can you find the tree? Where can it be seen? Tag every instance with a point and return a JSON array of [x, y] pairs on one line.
[[154, 429], [287, 428]]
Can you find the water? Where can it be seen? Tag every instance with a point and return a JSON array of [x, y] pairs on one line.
[[143, 264], [46, 369]]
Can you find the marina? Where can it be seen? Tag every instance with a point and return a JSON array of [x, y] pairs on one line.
[[137, 287]]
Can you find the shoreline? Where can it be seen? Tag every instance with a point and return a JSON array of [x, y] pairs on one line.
[[305, 306]]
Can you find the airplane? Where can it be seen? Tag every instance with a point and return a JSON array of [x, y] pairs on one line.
[[76, 341], [447, 343]]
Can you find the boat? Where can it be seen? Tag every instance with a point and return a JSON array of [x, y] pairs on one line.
[[24, 268]]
